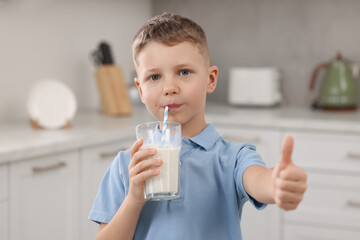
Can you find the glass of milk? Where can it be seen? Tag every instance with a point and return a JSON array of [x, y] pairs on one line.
[[164, 186]]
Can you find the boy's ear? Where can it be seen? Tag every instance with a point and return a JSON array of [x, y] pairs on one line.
[[213, 74], [137, 82]]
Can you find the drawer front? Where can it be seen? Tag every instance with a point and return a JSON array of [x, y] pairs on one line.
[[318, 233], [332, 200], [3, 182], [267, 142], [327, 152]]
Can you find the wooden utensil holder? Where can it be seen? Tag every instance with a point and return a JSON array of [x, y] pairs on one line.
[[113, 90]]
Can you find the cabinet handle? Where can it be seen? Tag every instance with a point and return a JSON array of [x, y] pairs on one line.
[[49, 168], [353, 204], [353, 156], [106, 155], [242, 139]]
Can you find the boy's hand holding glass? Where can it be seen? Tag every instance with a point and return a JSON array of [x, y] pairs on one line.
[[141, 168], [289, 181]]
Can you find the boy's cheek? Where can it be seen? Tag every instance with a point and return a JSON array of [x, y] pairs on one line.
[[151, 106]]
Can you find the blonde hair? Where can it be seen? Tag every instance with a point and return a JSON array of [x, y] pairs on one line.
[[170, 29]]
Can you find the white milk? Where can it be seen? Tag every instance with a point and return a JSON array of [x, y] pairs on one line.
[[166, 184]]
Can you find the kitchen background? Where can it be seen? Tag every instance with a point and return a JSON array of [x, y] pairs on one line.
[[53, 39]]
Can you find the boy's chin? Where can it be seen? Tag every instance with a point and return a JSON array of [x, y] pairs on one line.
[[173, 119]]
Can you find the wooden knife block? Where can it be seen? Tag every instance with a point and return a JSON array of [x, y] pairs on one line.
[[113, 90]]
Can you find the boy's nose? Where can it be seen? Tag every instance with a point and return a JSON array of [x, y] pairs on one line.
[[170, 88]]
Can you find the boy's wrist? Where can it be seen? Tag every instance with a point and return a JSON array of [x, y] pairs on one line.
[[133, 203]]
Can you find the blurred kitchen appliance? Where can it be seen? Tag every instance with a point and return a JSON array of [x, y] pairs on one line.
[[254, 86], [338, 89], [111, 83]]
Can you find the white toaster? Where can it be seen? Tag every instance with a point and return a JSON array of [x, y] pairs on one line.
[[254, 86]]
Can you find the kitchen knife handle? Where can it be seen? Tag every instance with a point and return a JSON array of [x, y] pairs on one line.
[[106, 53]]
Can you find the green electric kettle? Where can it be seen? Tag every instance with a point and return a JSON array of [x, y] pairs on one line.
[[338, 89]]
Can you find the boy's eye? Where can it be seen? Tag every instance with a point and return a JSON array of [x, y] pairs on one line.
[[184, 72], [154, 77]]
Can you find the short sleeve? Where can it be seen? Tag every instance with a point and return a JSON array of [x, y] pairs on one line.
[[112, 190], [246, 157]]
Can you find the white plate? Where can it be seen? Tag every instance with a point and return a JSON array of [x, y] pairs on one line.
[[51, 104]]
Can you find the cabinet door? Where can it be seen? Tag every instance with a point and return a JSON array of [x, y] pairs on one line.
[[4, 217], [331, 200], [44, 198], [95, 162], [258, 224], [293, 232], [319, 152]]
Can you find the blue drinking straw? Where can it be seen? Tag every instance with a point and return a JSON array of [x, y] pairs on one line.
[[166, 113]]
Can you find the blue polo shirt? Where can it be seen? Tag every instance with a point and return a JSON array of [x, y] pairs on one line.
[[211, 192]]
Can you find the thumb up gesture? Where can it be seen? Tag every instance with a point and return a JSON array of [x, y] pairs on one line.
[[289, 181]]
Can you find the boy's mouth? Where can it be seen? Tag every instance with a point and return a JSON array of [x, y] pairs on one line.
[[173, 107]]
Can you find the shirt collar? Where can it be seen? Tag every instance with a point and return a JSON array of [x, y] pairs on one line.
[[206, 138]]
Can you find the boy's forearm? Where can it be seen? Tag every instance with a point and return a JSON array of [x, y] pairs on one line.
[[258, 183], [123, 224]]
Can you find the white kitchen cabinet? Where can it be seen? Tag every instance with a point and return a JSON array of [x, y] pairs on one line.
[[95, 161], [319, 152], [331, 204], [44, 198], [258, 224], [293, 232], [330, 200], [4, 202]]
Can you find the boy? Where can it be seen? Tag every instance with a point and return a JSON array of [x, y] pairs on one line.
[[172, 62]]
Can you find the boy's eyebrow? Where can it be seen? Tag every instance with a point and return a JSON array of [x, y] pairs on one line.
[[152, 70], [155, 69], [186, 64]]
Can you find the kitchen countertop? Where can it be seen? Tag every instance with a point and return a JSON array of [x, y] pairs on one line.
[[296, 118], [18, 140]]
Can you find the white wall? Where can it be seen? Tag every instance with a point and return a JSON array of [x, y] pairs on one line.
[[53, 39]]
